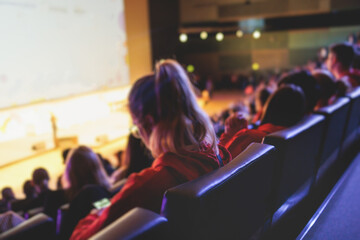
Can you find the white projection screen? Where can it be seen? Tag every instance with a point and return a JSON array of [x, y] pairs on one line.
[[52, 49]]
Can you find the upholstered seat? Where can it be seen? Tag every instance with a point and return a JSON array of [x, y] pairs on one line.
[[298, 150], [138, 223], [352, 130], [232, 202], [335, 122]]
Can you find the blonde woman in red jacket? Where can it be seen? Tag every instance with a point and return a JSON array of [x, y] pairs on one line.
[[179, 135]]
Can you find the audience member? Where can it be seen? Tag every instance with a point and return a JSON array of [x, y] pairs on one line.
[[176, 131], [85, 182], [30, 194], [40, 180], [327, 88], [308, 85], [82, 167], [137, 158], [7, 197], [339, 63], [283, 109]]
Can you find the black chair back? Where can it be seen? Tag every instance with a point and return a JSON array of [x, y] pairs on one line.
[[138, 223], [335, 122], [298, 149], [232, 202], [353, 121]]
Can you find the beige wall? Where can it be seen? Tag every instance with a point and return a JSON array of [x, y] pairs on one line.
[[138, 38]]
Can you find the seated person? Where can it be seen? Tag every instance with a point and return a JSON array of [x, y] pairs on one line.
[[30, 194], [308, 85], [40, 180], [84, 182], [339, 63], [179, 135], [137, 158], [7, 198], [327, 87], [283, 109]]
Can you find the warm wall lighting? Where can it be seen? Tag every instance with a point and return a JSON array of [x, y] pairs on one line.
[[183, 37], [256, 34], [203, 35], [239, 33], [219, 36]]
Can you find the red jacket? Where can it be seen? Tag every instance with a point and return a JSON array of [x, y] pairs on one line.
[[146, 189], [238, 142]]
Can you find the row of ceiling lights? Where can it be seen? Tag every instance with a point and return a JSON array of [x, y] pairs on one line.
[[183, 37]]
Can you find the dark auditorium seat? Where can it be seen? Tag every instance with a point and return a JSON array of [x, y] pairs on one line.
[[352, 130], [298, 149], [335, 122], [138, 223], [39, 227], [338, 216], [232, 202]]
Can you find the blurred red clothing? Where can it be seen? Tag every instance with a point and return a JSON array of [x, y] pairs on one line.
[[238, 142], [146, 189]]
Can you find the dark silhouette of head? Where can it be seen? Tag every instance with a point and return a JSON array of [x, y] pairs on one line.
[[7, 194], [285, 107], [40, 178], [344, 54], [308, 85], [29, 190], [327, 86]]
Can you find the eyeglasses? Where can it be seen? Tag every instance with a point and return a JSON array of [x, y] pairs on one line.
[[134, 130]]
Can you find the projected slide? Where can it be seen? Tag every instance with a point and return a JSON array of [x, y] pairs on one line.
[[51, 49]]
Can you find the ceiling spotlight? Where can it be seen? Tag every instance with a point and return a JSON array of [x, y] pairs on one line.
[[239, 33], [219, 36], [183, 37], [256, 34], [203, 35]]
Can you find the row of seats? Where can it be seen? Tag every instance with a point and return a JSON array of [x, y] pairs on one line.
[[268, 191]]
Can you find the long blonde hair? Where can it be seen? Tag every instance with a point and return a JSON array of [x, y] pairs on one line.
[[167, 96]]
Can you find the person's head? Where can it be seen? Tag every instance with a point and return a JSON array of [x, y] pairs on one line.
[[285, 107], [327, 86], [40, 178], [308, 85], [83, 167], [29, 190], [7, 194], [340, 57], [164, 108]]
